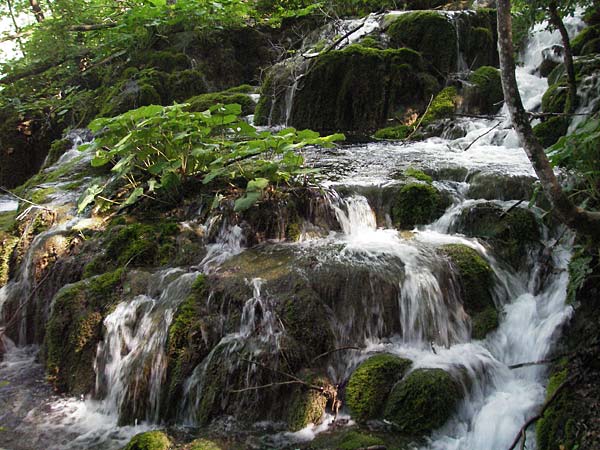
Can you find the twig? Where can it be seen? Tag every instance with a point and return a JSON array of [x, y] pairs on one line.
[[420, 120], [285, 374], [521, 433], [264, 386], [337, 42], [333, 351], [509, 210], [25, 200], [484, 134]]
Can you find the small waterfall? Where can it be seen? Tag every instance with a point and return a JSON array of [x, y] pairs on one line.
[[131, 360]]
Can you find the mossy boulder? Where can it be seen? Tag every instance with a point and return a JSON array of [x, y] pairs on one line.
[[165, 60], [430, 33], [551, 130], [416, 203], [356, 89], [237, 95], [586, 36], [443, 106], [354, 439], [395, 133], [476, 277], [485, 96], [555, 98], [150, 440], [307, 406], [478, 37], [591, 47], [371, 383], [8, 242], [423, 401], [57, 149], [511, 235], [75, 328], [182, 85]]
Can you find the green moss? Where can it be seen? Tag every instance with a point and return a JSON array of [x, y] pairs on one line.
[[241, 89], [423, 401], [355, 440], [555, 429], [555, 99], [7, 245], [418, 175], [150, 440], [489, 88], [398, 132], [293, 232], [415, 30], [203, 444], [551, 130], [587, 35], [205, 101], [165, 61], [41, 196], [484, 323], [591, 47], [57, 149], [476, 277], [371, 42], [442, 106], [307, 405], [416, 203], [184, 84], [356, 89], [8, 221], [371, 383], [75, 328]]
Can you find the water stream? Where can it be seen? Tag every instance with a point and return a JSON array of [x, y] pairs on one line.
[[498, 400]]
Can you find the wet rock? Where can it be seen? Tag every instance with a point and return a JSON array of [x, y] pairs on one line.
[[497, 186], [150, 440], [484, 94], [551, 130], [423, 401], [371, 383], [416, 204]]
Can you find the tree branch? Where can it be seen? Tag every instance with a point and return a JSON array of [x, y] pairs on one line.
[[333, 351]]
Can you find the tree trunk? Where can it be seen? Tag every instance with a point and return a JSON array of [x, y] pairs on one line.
[[580, 220], [37, 11], [557, 22]]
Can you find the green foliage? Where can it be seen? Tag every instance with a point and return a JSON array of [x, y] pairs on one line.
[[579, 152], [580, 267], [153, 150], [371, 383]]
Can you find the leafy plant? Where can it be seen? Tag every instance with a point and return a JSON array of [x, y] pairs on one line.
[[154, 149], [579, 152]]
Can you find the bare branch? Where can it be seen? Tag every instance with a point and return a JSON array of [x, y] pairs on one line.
[[333, 351]]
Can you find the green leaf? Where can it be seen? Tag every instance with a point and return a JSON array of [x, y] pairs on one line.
[[133, 197], [88, 197], [258, 184], [245, 202]]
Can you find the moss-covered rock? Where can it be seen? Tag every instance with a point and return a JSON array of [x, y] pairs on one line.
[[355, 89], [476, 276], [75, 328], [57, 149], [417, 203], [307, 405], [396, 133], [443, 106], [354, 438], [430, 33], [555, 98], [478, 37], [237, 95], [203, 444], [511, 235], [423, 401], [182, 85], [485, 96], [150, 440], [551, 130], [484, 322], [556, 429], [165, 60], [135, 245], [8, 242], [586, 36], [371, 383]]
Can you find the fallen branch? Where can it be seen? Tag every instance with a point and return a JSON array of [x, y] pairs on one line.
[[337, 42], [521, 434], [333, 351], [483, 135], [35, 205], [265, 386], [285, 374], [420, 120]]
